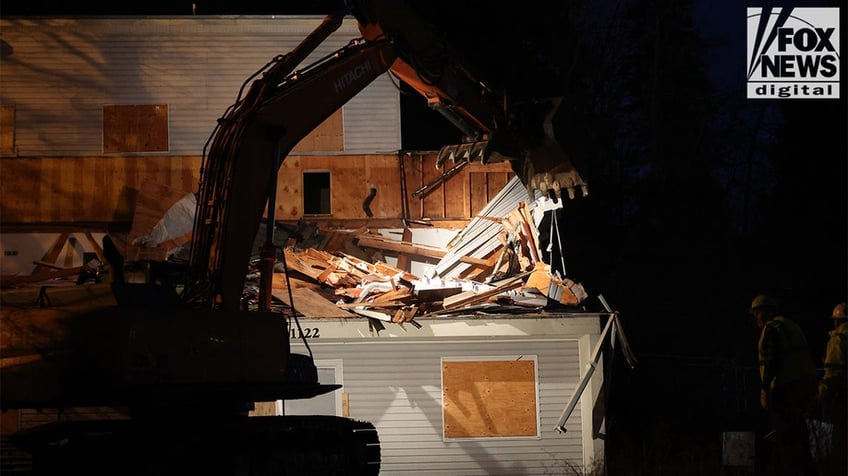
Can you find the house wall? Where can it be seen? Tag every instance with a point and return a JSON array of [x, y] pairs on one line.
[[60, 75], [393, 379]]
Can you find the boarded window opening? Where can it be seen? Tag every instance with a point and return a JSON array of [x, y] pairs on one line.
[[135, 128], [489, 398], [316, 193]]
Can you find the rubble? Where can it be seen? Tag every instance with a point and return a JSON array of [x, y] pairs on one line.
[[493, 265]]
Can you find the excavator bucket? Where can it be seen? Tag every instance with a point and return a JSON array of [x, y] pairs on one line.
[[496, 127], [543, 164]]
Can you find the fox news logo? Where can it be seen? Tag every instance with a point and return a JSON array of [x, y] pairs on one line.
[[793, 53]]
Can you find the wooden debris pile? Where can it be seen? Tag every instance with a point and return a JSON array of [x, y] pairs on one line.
[[56, 265], [494, 265], [383, 292]]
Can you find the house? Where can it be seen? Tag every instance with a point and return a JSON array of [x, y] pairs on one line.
[[104, 124]]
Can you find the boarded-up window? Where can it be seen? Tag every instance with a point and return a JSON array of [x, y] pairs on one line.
[[7, 129], [135, 128], [490, 397], [316, 192]]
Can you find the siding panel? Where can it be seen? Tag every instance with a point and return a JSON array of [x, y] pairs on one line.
[[397, 386], [62, 71]]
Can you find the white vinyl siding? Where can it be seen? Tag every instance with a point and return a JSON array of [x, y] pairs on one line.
[[396, 384], [60, 72]]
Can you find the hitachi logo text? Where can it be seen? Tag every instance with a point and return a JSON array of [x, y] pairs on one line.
[[342, 83], [793, 53]]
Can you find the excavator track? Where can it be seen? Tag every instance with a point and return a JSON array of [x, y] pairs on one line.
[[240, 446]]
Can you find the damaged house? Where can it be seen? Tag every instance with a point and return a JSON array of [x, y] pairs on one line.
[[415, 279]]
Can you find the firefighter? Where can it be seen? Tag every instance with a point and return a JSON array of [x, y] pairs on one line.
[[788, 391], [832, 389]]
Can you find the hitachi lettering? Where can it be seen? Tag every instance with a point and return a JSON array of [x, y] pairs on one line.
[[342, 83]]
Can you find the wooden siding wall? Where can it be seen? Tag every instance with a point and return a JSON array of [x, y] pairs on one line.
[[55, 171], [104, 190]]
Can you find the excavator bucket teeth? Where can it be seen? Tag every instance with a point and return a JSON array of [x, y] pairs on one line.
[[447, 152], [548, 167], [468, 152]]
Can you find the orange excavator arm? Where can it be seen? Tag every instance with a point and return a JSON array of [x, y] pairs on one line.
[[248, 146], [284, 104], [496, 127]]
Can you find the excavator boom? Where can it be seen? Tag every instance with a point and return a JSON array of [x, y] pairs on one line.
[[284, 104], [249, 145], [496, 126]]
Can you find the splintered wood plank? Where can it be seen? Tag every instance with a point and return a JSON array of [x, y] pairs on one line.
[[96, 246], [53, 252], [6, 281], [370, 240], [310, 303], [471, 297], [303, 264]]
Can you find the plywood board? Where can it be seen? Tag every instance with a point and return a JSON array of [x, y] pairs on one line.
[[327, 137], [135, 128], [105, 189], [86, 189], [433, 201], [489, 398]]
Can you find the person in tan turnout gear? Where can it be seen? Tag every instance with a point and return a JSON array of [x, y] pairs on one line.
[[832, 390], [788, 391]]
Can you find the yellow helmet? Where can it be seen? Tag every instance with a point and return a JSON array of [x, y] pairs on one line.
[[763, 300], [839, 311]]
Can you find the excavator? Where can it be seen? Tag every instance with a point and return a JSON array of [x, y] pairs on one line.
[[185, 359]]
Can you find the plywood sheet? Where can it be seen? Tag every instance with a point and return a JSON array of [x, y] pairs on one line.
[[328, 136], [489, 398], [135, 128]]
